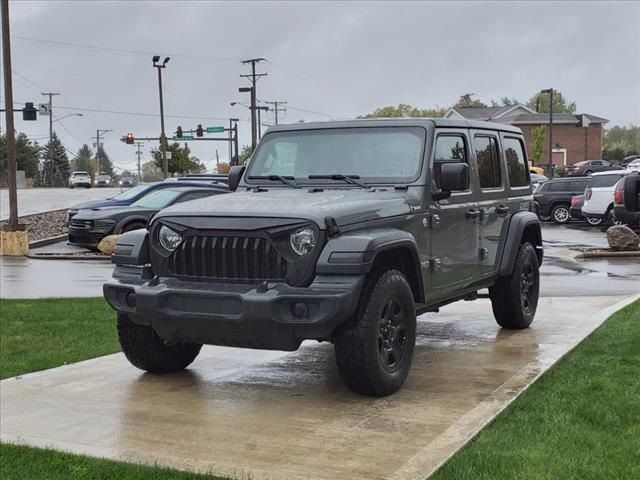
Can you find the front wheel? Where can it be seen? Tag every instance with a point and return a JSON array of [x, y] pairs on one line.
[[374, 350], [561, 214], [514, 299], [146, 350]]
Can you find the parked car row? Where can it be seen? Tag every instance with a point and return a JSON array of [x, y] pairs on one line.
[[597, 199], [89, 222], [83, 179]]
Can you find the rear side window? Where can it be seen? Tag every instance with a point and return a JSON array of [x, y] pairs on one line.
[[580, 186], [516, 163], [559, 186], [598, 181], [488, 161], [449, 149]]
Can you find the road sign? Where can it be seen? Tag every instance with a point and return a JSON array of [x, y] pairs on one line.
[[44, 109], [215, 129], [183, 138]]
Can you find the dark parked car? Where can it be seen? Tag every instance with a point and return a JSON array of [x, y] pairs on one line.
[[88, 227], [341, 232], [587, 167], [553, 198], [136, 193], [627, 187], [537, 180]]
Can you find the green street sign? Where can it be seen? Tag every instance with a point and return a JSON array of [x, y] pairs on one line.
[[183, 138], [215, 129]]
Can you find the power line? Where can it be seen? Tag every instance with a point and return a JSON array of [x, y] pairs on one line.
[[140, 114], [276, 109]]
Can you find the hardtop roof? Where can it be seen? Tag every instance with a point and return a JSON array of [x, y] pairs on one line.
[[391, 122]]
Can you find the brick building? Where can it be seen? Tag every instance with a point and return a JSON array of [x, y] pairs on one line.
[[575, 137]]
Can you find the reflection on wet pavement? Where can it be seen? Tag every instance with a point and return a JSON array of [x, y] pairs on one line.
[[270, 414]]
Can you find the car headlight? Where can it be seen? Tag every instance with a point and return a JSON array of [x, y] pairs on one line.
[[169, 239], [303, 241], [104, 223]]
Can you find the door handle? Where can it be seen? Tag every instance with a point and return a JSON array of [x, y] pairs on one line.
[[502, 210], [473, 213]]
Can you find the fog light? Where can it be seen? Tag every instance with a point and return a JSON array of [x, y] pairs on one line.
[[299, 310], [130, 299]]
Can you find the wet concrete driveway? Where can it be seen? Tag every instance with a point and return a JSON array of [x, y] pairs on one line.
[[279, 415]]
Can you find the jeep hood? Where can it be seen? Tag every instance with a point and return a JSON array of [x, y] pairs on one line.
[[347, 205]]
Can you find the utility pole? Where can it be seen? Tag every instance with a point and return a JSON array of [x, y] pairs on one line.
[[236, 155], [259, 109], [218, 162], [139, 153], [276, 108], [550, 166], [231, 141], [163, 138], [50, 95], [13, 225], [97, 137], [253, 78]]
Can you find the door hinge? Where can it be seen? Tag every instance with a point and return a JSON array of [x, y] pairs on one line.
[[432, 222], [435, 264]]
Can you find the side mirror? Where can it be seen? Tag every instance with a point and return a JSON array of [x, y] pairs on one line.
[[235, 174], [631, 192], [453, 177]]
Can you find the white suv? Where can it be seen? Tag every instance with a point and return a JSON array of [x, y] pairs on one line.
[[598, 196], [80, 179]]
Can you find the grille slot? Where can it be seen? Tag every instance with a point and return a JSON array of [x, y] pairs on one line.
[[229, 258]]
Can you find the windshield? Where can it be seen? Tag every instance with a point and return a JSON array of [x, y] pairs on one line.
[[372, 154], [132, 192], [158, 199]]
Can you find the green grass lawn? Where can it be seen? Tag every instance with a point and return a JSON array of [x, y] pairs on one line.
[[581, 420], [40, 334]]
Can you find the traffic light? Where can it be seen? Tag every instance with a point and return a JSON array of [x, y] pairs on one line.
[[179, 132], [199, 131], [130, 140], [29, 112]]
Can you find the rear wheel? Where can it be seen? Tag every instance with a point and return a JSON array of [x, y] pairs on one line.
[[515, 298], [594, 222], [146, 350], [374, 350], [560, 214]]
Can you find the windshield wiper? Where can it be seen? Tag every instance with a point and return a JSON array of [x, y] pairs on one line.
[[339, 176], [287, 180]]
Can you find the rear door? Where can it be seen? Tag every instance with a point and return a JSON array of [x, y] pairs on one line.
[[455, 221], [492, 198]]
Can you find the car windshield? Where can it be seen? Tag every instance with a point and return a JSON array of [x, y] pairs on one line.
[[158, 199], [372, 154], [103, 177], [132, 192]]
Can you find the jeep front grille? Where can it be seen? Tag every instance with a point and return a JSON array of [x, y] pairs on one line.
[[229, 258]]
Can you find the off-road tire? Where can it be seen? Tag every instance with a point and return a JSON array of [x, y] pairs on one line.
[[514, 299], [561, 214], [374, 349], [146, 350]]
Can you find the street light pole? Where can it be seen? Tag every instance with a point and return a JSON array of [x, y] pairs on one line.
[[51, 171], [550, 92], [163, 138], [11, 134]]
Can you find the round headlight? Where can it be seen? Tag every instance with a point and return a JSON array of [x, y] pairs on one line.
[[169, 239], [303, 241]]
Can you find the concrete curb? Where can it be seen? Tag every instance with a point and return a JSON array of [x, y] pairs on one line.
[[48, 241], [587, 255]]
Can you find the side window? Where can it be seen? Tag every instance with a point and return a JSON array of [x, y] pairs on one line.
[[449, 149], [597, 162], [488, 161], [516, 163], [193, 196]]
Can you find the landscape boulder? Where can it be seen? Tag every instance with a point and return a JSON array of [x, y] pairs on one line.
[[108, 244], [621, 238]]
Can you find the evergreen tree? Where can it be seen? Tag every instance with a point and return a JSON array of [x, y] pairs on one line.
[[27, 156], [83, 161], [61, 165], [181, 160], [104, 162]]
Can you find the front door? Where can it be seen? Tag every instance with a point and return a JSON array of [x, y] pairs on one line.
[[492, 198], [454, 221]]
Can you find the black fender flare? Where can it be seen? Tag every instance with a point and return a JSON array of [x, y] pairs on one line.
[[132, 248], [519, 223], [354, 253], [133, 218]]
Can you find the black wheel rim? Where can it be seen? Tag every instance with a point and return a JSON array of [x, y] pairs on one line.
[[527, 287], [392, 335]]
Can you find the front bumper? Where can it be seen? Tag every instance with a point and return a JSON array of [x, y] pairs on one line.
[[83, 237], [267, 316]]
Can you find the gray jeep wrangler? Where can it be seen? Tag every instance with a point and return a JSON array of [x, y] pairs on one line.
[[340, 232]]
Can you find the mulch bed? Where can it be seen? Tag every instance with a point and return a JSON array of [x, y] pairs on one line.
[[43, 225]]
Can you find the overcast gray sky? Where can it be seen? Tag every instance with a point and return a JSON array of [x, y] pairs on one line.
[[327, 59]]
